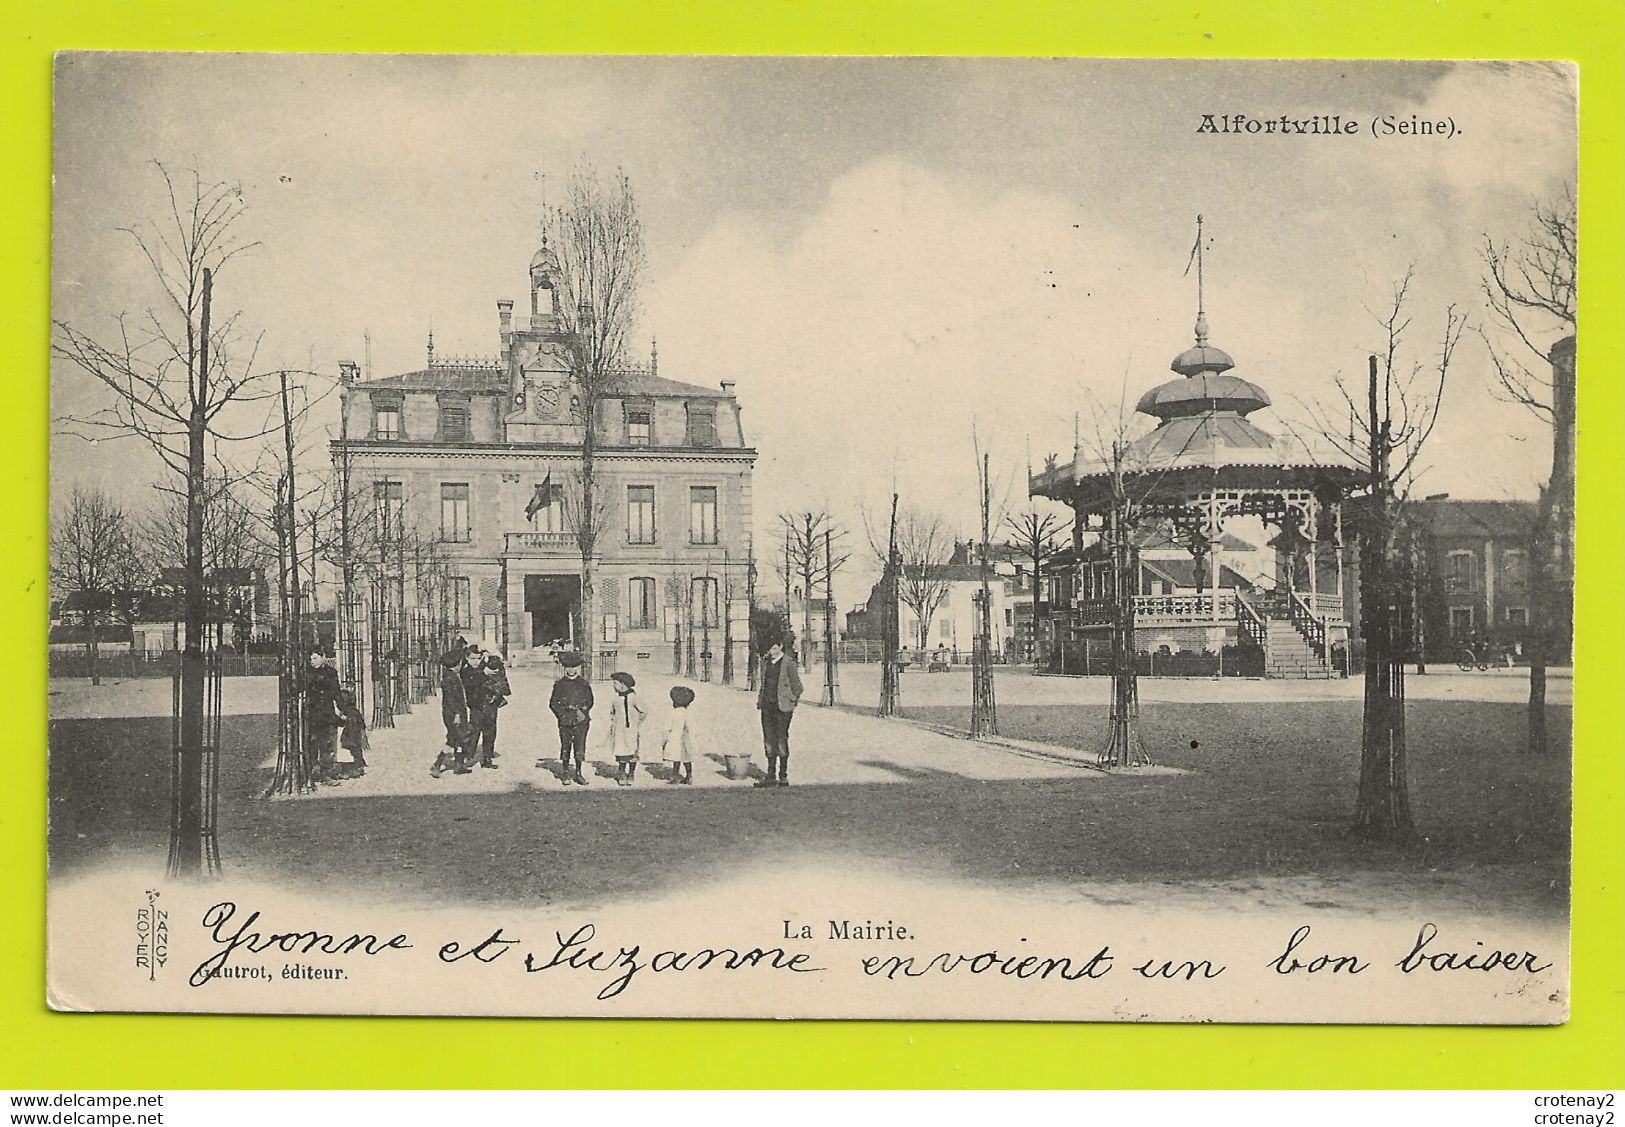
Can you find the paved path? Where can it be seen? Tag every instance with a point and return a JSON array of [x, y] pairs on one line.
[[828, 746]]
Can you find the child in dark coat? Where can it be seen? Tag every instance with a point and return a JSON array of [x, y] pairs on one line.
[[353, 732], [572, 705]]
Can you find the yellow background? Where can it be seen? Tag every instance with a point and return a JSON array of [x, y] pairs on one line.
[[39, 1049]]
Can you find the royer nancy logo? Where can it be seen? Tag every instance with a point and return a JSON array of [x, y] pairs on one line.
[[151, 936]]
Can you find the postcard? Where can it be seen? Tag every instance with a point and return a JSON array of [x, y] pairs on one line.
[[1020, 539]]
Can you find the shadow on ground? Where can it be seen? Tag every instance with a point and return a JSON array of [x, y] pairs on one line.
[[1269, 795]]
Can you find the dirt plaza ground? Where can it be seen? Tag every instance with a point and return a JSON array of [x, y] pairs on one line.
[[1255, 808]]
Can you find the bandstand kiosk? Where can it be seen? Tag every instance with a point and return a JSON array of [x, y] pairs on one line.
[[1203, 466]]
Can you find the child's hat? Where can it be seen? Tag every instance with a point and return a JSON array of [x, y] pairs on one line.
[[570, 659], [624, 678], [682, 696]]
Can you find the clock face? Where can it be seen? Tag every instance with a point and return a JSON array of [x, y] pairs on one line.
[[547, 398]]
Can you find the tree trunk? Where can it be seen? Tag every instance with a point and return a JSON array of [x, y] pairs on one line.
[[1383, 808], [186, 830], [587, 533], [984, 707], [890, 642]]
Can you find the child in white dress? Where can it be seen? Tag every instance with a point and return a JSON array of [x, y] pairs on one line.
[[625, 728], [682, 739]]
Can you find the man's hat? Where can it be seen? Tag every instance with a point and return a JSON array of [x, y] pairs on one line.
[[624, 678], [682, 696], [570, 659], [452, 658]]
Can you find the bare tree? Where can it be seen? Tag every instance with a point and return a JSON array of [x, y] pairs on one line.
[[1530, 287], [807, 558], [599, 241], [984, 712], [887, 555], [172, 375], [94, 560], [1034, 536], [924, 547], [1389, 427], [232, 532]]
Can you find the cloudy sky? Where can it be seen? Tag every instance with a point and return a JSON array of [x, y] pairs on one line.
[[882, 253]]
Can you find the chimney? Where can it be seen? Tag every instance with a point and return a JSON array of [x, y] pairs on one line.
[[349, 371], [727, 387], [505, 314]]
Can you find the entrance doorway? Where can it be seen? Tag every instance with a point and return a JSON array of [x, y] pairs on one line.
[[554, 605]]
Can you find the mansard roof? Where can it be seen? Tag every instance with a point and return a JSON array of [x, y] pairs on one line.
[[637, 382], [494, 381], [473, 381]]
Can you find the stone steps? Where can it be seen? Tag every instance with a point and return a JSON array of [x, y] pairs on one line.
[[1290, 656]]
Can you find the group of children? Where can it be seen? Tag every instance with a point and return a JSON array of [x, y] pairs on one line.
[[572, 703]]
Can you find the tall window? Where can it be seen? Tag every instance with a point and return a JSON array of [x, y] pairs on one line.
[[706, 602], [702, 514], [1515, 567], [549, 515], [640, 514], [1461, 622], [454, 422], [702, 424], [639, 424], [641, 607], [454, 524], [386, 418], [462, 601], [388, 507], [1463, 570]]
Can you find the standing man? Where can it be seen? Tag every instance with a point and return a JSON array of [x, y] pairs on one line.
[[572, 704], [777, 699]]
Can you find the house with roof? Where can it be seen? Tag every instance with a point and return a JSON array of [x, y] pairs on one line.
[[1475, 574], [480, 459], [948, 615]]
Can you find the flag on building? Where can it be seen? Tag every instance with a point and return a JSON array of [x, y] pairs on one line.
[[542, 497]]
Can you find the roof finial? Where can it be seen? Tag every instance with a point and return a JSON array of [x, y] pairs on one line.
[[654, 355], [431, 342], [543, 221], [1201, 312]]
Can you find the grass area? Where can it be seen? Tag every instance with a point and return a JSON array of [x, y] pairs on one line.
[[1269, 795], [1272, 788]]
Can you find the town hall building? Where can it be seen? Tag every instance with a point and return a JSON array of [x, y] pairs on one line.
[[481, 458]]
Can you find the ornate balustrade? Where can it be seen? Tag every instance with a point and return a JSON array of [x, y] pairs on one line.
[[1309, 624], [1174, 610], [1252, 625], [1324, 605], [1160, 610]]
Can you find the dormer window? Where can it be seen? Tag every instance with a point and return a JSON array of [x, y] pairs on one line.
[[639, 426], [702, 424], [386, 418], [454, 422]]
